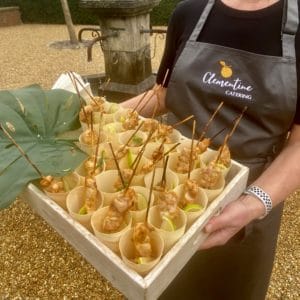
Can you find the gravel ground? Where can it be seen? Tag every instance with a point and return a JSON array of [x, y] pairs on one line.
[[35, 262]]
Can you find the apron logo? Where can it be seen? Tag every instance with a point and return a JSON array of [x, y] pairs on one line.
[[226, 71], [231, 86]]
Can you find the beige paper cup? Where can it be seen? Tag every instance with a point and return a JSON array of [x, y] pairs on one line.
[[112, 131], [123, 115], [110, 109], [127, 250], [139, 136], [97, 122], [174, 137], [169, 237], [211, 193], [150, 149], [186, 143], [88, 148], [72, 180], [105, 184], [171, 180], [208, 156], [172, 165], [149, 125], [111, 240], [75, 201], [125, 162], [81, 171], [201, 199], [139, 215]]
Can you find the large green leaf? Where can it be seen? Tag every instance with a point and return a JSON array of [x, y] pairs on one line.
[[37, 120]]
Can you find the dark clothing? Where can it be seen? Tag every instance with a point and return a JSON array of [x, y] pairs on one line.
[[246, 28], [239, 270], [208, 277]]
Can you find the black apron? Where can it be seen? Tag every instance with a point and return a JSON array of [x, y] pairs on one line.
[[204, 75]]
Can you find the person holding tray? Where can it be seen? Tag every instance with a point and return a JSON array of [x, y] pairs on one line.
[[245, 53]]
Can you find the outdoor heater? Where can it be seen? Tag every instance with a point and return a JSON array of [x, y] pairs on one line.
[[124, 35]]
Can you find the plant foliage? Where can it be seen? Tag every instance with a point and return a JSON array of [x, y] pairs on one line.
[[35, 119], [50, 11]]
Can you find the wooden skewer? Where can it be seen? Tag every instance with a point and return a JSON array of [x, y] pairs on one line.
[[229, 135], [183, 121], [153, 90], [139, 156], [156, 92], [117, 164], [171, 149], [160, 148], [150, 195], [137, 159], [192, 146], [85, 114], [163, 179], [237, 121], [216, 134], [132, 175], [92, 123], [75, 79], [155, 110], [97, 149], [21, 150], [209, 121], [140, 101], [165, 77], [222, 148], [72, 78], [131, 137]]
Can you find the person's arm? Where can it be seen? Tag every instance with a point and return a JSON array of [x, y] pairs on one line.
[[153, 98], [279, 180]]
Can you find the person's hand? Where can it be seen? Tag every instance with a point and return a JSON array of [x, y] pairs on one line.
[[232, 219]]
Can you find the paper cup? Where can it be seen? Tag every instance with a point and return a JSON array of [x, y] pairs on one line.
[[76, 200], [82, 170], [124, 115], [171, 180], [150, 149], [139, 214], [211, 193], [149, 125], [110, 109], [135, 143], [87, 147], [185, 146], [169, 237], [127, 250], [174, 137], [112, 130], [125, 163], [97, 121], [111, 240], [173, 164], [105, 182], [208, 156], [72, 180], [201, 199]]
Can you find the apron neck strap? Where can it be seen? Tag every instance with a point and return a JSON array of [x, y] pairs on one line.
[[202, 20], [290, 22]]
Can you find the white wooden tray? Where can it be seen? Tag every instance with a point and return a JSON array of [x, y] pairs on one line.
[[131, 284]]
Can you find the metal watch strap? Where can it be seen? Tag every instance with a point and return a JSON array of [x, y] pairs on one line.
[[261, 195]]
